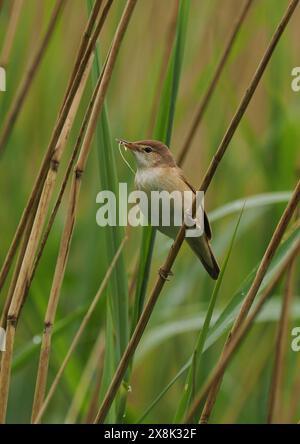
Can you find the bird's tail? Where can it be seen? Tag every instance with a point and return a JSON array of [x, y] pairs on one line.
[[201, 247]]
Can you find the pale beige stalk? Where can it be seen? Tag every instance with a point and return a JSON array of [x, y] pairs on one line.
[[168, 263], [84, 323], [76, 183], [85, 41], [249, 299], [24, 276], [41, 379], [18, 265], [240, 333], [86, 47], [65, 179]]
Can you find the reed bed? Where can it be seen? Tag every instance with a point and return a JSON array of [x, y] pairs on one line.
[[156, 70]]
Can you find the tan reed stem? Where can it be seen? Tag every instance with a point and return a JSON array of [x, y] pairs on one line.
[[29, 76], [160, 282], [38, 185], [47, 342], [25, 271], [249, 299], [79, 169], [16, 271], [241, 331], [213, 83], [43, 371], [85, 40], [65, 180]]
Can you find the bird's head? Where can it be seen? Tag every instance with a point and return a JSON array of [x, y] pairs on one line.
[[150, 153]]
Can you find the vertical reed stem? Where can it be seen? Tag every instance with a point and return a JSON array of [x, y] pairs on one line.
[[86, 48], [85, 321], [25, 271], [74, 196], [240, 334], [160, 282]]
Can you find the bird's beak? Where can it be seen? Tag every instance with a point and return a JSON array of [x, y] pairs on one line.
[[129, 145]]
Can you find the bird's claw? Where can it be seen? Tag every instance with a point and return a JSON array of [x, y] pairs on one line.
[[164, 274]]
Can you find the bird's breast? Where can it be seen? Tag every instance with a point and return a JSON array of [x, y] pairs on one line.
[[159, 179]]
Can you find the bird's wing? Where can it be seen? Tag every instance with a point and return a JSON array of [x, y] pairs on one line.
[[207, 227]]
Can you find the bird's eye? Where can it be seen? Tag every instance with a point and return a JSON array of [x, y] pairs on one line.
[[148, 149]]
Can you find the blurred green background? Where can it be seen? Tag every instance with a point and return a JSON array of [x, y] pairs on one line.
[[263, 157]]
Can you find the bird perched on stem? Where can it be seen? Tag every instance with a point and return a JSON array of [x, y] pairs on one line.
[[157, 171]]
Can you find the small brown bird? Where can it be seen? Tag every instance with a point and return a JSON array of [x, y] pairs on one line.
[[157, 171]]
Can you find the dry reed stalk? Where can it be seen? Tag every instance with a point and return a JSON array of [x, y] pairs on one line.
[[76, 183], [16, 271], [11, 31], [213, 84], [170, 37], [26, 82], [65, 180], [56, 207], [166, 268], [94, 363], [169, 43], [276, 386], [66, 177], [44, 358], [85, 40], [41, 380], [37, 188], [249, 299], [25, 271], [240, 333]]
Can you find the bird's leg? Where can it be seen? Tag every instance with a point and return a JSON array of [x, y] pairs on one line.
[[164, 274]]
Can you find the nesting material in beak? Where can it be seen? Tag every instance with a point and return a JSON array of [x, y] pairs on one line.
[[124, 143], [128, 145]]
